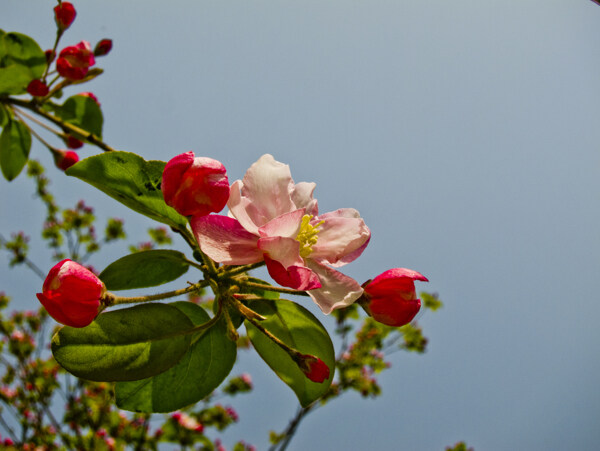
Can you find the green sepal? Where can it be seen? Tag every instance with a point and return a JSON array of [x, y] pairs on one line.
[[21, 60], [300, 330], [132, 181], [144, 269], [206, 364], [124, 345], [15, 144]]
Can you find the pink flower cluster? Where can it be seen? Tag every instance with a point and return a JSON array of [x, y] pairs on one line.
[[275, 220]]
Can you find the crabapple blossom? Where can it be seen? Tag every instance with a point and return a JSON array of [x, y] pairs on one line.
[[313, 368], [73, 143], [71, 294], [74, 62], [195, 185], [277, 221], [64, 159], [64, 15], [390, 298], [91, 95], [37, 88], [103, 47]]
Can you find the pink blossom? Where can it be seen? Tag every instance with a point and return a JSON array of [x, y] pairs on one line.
[[246, 379], [277, 221], [71, 294], [74, 61], [187, 422], [91, 95], [8, 392], [391, 299]]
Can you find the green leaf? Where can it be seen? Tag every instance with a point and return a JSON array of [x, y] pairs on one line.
[[299, 329], [21, 60], [132, 181], [206, 364], [144, 269], [81, 111], [3, 116], [15, 143], [124, 345]]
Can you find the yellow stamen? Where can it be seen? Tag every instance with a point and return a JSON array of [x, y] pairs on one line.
[[308, 235]]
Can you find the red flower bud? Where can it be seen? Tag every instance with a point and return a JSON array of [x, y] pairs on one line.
[[74, 61], [37, 88], [64, 159], [313, 367], [71, 294], [73, 143], [90, 95], [50, 55], [195, 186], [103, 47], [391, 299], [64, 15]]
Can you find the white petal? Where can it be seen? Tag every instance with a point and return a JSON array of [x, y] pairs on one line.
[[341, 238], [225, 241], [267, 186], [337, 290], [302, 195]]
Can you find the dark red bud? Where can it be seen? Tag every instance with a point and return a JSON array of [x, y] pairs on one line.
[[37, 88], [64, 15], [103, 47]]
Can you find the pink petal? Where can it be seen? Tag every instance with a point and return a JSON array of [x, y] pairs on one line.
[[286, 225], [302, 196], [296, 277], [397, 273], [342, 238], [239, 206], [173, 173], [337, 290], [282, 249], [286, 267], [267, 186], [225, 240]]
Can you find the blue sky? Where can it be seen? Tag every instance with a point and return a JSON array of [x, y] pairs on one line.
[[464, 132]]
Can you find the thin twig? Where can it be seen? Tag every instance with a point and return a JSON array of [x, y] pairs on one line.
[[71, 129]]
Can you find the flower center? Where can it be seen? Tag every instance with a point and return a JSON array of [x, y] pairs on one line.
[[307, 235]]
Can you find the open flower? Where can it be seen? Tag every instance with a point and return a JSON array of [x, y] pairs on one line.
[[71, 294], [391, 299], [74, 61], [277, 221]]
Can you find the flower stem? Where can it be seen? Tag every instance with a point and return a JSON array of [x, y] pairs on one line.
[[73, 130], [256, 323], [110, 299], [241, 269], [261, 286]]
